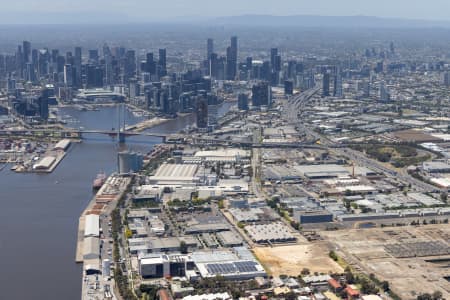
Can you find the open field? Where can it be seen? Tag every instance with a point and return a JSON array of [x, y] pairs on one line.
[[413, 260], [290, 260]]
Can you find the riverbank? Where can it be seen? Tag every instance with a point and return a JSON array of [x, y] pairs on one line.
[[94, 241]]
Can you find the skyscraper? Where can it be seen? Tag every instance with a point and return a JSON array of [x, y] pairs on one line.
[[326, 85], [202, 112], [209, 48], [26, 52], [68, 78], [43, 104], [288, 87], [384, 93], [150, 64], [337, 91], [162, 64], [243, 101], [273, 55], [261, 94], [93, 56], [232, 55]]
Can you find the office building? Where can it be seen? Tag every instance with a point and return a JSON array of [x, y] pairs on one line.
[[326, 85], [209, 48], [261, 94], [242, 101], [288, 87], [202, 112], [337, 91], [232, 56], [162, 63]]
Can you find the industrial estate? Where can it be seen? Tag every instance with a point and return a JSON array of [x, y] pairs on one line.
[[326, 178]]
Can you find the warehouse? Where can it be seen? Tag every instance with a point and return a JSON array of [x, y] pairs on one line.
[[313, 216], [270, 233], [436, 167], [206, 228], [45, 163], [357, 189], [224, 155], [171, 244], [224, 187], [146, 193], [175, 174], [62, 145], [92, 225], [253, 214], [280, 173], [160, 245], [232, 270], [322, 171], [246, 215], [161, 265], [91, 248], [233, 265], [229, 239], [368, 217], [424, 199]]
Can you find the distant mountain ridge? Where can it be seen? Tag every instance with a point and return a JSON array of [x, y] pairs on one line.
[[327, 21], [250, 20]]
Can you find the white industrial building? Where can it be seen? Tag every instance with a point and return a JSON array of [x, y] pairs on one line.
[[216, 296], [62, 145], [238, 264], [322, 171], [92, 226], [91, 248], [223, 155], [270, 233], [175, 174], [45, 163]]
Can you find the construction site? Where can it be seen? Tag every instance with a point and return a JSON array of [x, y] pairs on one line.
[[292, 259], [413, 259]]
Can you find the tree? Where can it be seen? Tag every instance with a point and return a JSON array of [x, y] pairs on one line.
[[183, 247], [349, 277], [333, 255], [425, 296], [437, 295], [385, 286], [305, 271]]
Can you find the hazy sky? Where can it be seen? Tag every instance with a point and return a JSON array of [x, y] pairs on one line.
[[164, 9]]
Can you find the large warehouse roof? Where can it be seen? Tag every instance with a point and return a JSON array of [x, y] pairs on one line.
[[175, 172], [224, 153], [91, 247], [322, 171], [62, 144], [92, 225], [45, 163]]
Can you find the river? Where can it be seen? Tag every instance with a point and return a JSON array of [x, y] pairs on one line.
[[39, 212]]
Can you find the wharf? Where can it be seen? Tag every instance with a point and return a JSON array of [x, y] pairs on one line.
[[60, 156], [146, 124], [99, 285]]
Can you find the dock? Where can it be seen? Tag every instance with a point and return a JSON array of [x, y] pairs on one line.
[[95, 284], [146, 124]]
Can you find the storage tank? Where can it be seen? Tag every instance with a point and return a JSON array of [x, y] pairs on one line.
[[129, 162]]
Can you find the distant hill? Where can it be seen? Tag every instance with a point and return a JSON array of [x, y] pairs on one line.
[[326, 21], [89, 17]]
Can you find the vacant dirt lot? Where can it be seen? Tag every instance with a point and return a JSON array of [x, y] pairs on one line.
[[290, 260], [409, 271]]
